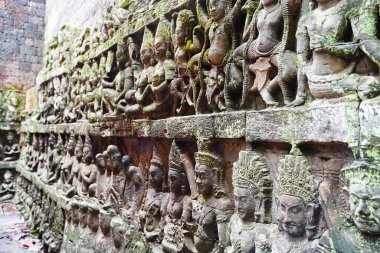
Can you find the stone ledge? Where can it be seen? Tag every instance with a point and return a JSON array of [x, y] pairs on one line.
[[6, 126], [8, 165], [321, 123]]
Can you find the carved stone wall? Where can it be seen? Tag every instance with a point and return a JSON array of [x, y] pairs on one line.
[[208, 126], [22, 41]]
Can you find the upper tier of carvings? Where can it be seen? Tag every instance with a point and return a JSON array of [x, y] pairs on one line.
[[195, 57]]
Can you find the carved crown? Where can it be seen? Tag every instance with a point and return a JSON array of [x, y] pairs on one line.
[[360, 172], [296, 179], [147, 39], [251, 171], [163, 29], [175, 158], [156, 159]]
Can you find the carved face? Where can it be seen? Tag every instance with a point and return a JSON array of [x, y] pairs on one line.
[[365, 208], [155, 176], [11, 138], [175, 181], [146, 55], [83, 216], [118, 235], [292, 214], [159, 48], [218, 9], [245, 203], [180, 34], [70, 147], [105, 222], [100, 161], [204, 179], [79, 153], [115, 162], [75, 214], [87, 155]]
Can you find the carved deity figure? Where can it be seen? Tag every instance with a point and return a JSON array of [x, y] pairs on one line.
[[54, 159], [68, 160], [11, 148], [102, 180], [115, 190], [134, 189], [219, 36], [73, 180], [332, 63], [252, 189], [33, 158], [266, 56], [155, 200], [133, 70], [113, 91], [186, 44], [138, 98], [88, 170], [209, 213], [298, 209], [179, 194], [356, 229], [163, 73], [7, 188]]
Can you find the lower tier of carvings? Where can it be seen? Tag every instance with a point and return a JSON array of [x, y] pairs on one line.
[[105, 194]]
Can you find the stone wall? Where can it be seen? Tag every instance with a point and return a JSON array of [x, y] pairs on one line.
[[21, 39]]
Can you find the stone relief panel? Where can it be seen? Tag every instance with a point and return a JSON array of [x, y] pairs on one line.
[[208, 126]]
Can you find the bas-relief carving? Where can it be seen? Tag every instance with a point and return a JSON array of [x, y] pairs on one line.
[[193, 61], [8, 187]]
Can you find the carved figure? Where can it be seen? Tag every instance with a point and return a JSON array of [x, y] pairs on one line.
[[331, 66], [7, 188], [298, 208], [219, 36], [155, 200], [252, 192], [137, 99], [186, 44], [357, 228], [133, 70], [88, 170], [134, 189], [68, 160], [115, 191], [209, 213], [113, 91], [179, 194], [11, 149], [163, 73], [267, 56]]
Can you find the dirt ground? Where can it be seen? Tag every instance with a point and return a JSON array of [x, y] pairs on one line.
[[15, 236]]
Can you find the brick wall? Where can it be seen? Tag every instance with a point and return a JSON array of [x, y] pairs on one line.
[[21, 41]]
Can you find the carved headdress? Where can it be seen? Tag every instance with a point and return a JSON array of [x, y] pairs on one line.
[[296, 179], [213, 161], [163, 30], [156, 159], [175, 159], [251, 171], [360, 172], [148, 39]]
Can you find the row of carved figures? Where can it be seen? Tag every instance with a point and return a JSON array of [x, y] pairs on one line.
[[204, 60], [110, 199]]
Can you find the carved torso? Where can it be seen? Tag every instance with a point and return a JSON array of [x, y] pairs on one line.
[[220, 43]]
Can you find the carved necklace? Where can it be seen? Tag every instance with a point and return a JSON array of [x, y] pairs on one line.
[[270, 10]]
